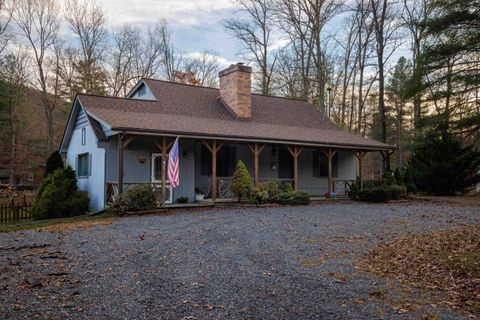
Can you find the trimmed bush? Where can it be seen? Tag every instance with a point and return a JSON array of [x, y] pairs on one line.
[[258, 196], [140, 198], [374, 194], [388, 178], [59, 197], [136, 198], [54, 162], [382, 193], [292, 198], [397, 191], [354, 191], [242, 182]]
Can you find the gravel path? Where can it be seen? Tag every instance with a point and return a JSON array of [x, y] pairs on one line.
[[263, 263]]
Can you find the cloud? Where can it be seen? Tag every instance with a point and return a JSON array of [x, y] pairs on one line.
[[177, 12], [196, 24]]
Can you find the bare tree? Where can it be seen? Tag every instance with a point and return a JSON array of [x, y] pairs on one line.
[[13, 72], [255, 37], [38, 22], [86, 19], [349, 65], [292, 19], [204, 67], [5, 19], [384, 21], [133, 56]]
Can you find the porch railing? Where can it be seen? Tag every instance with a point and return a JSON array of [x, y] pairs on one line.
[[341, 187], [111, 190]]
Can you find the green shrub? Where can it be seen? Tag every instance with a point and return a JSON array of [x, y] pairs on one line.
[[182, 200], [286, 186], [375, 194], [292, 198], [59, 196], [242, 182], [353, 192], [398, 174], [408, 180], [258, 196], [382, 193], [119, 207], [54, 162], [140, 198], [77, 204], [388, 178]]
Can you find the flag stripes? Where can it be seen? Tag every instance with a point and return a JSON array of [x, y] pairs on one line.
[[173, 166]]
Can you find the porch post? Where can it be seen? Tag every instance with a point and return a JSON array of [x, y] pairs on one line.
[[120, 163], [360, 155], [386, 157], [295, 152], [164, 163], [256, 150], [330, 153], [214, 170], [121, 146]]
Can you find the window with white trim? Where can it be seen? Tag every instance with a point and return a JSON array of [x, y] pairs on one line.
[[83, 165], [84, 136]]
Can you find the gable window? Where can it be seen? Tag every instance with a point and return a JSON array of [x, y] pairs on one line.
[[83, 165], [226, 157], [320, 165], [84, 136]]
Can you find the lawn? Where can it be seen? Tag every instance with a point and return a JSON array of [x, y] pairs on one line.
[[63, 224]]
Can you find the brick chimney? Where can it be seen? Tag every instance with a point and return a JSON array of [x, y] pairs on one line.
[[235, 89]]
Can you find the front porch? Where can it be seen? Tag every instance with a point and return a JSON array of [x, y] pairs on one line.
[[207, 166]]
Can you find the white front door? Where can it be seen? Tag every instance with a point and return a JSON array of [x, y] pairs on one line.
[[156, 178]]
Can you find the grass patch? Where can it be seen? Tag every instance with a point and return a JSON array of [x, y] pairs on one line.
[[446, 261], [55, 225]]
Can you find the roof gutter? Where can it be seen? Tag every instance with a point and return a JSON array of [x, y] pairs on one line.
[[246, 139]]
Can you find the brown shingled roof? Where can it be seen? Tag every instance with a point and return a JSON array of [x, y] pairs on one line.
[[192, 110]]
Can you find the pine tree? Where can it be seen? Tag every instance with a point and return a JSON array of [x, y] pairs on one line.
[[242, 182], [54, 162], [442, 165]]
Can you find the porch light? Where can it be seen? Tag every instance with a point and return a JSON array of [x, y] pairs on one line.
[[142, 160]]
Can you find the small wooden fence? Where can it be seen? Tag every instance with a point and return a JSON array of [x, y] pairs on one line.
[[12, 211]]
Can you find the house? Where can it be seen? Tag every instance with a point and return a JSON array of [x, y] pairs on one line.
[[115, 143]]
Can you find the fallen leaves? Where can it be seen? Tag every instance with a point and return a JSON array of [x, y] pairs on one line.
[[447, 261], [60, 227]]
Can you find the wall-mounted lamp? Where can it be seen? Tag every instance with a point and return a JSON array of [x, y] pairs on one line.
[[142, 160]]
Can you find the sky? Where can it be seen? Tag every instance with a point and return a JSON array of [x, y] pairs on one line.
[[196, 24]]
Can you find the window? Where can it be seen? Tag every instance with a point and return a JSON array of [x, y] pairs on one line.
[[320, 165], [84, 136], [226, 158], [83, 165]]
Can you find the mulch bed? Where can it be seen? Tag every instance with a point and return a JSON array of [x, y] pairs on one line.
[[446, 261]]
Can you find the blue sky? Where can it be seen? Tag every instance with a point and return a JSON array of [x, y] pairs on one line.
[[196, 24]]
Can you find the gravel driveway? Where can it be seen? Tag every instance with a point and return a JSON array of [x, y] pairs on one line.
[[261, 263]]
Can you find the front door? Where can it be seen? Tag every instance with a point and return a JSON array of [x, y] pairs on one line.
[[285, 164], [156, 178]]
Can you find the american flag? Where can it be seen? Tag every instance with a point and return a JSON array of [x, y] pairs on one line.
[[173, 166]]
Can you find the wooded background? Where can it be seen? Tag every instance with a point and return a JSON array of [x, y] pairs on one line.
[[389, 70]]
